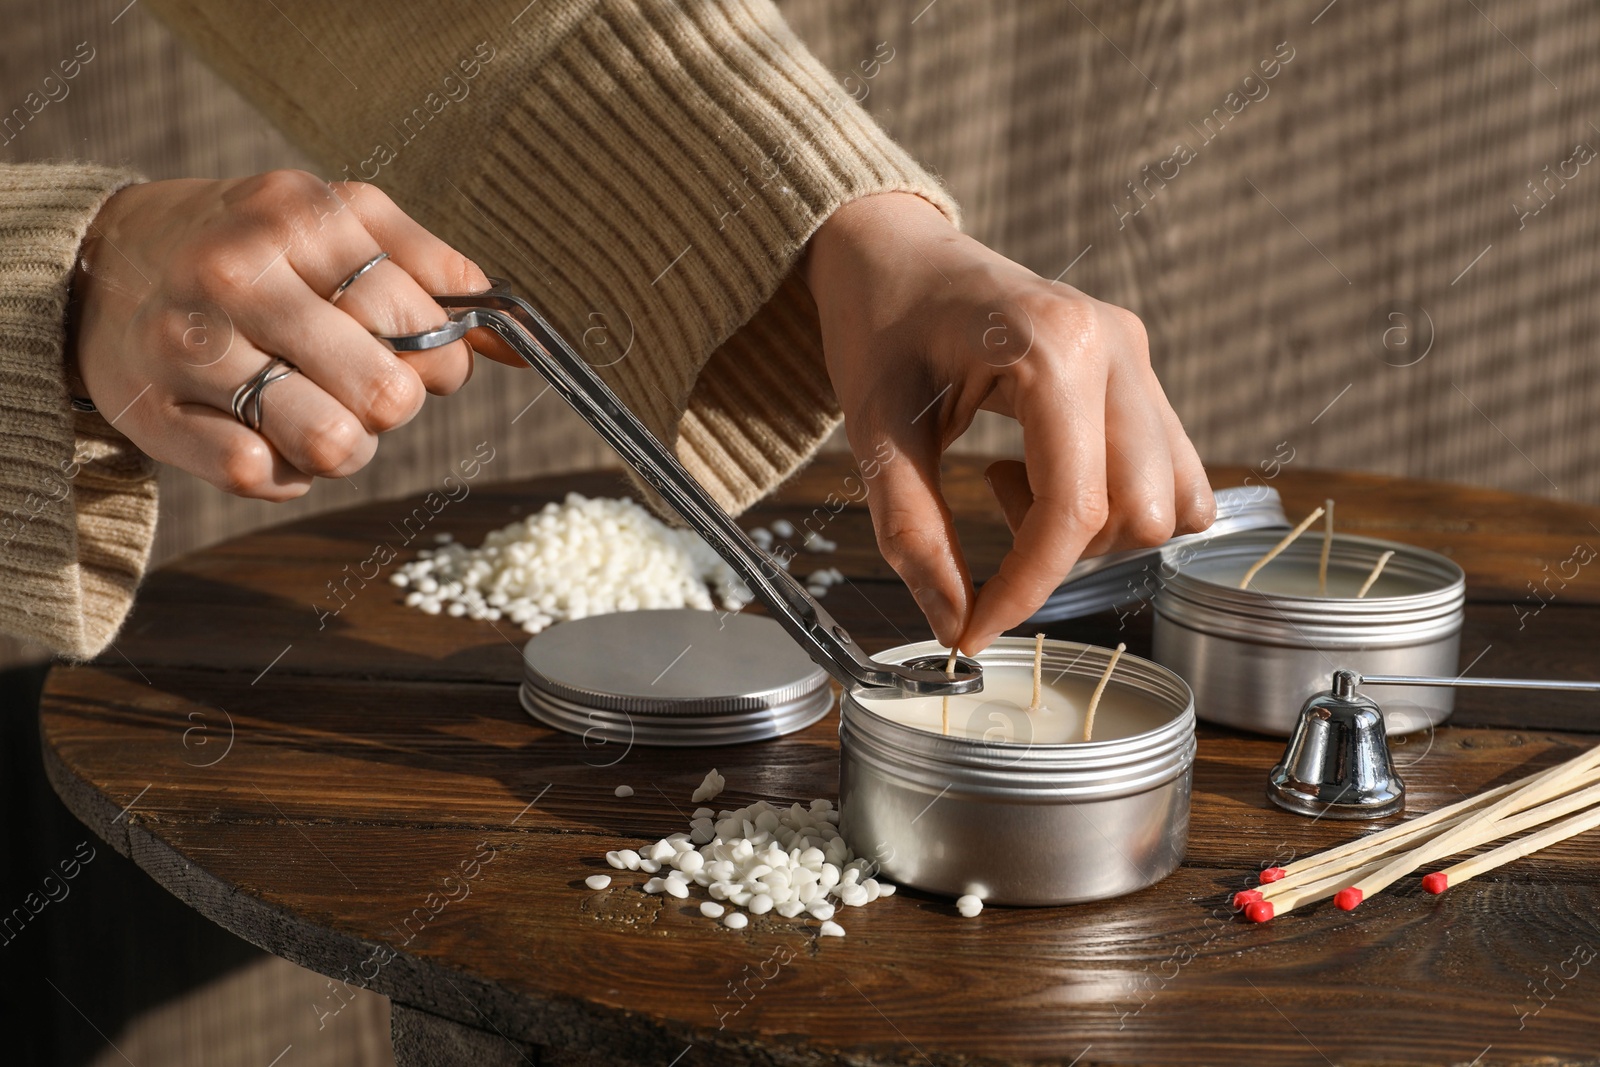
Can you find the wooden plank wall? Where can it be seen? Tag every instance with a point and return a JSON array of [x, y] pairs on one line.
[[1331, 229]]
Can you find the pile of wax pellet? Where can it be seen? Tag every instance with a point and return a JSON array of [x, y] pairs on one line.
[[790, 861], [570, 560]]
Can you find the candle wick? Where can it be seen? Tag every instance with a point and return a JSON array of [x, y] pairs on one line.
[[1272, 553], [1383, 561], [1327, 545], [944, 703], [1037, 704], [1094, 699]]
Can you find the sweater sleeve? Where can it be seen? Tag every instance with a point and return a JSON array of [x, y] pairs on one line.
[[77, 500], [650, 167]]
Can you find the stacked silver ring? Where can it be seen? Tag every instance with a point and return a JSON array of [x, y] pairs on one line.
[[247, 398], [355, 274]]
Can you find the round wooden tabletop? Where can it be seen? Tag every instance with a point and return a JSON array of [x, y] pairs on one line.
[[361, 793]]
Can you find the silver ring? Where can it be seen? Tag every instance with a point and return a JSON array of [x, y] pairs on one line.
[[247, 398], [358, 272]]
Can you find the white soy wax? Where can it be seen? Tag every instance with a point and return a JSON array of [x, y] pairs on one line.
[[1298, 578], [1000, 712]]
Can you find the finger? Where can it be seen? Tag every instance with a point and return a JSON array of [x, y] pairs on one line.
[[310, 429], [383, 298], [213, 445], [436, 266], [1195, 504], [1139, 478], [331, 349], [1008, 480], [913, 524], [1062, 413]]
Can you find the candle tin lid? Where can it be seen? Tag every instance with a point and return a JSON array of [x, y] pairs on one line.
[[678, 676], [1120, 578]]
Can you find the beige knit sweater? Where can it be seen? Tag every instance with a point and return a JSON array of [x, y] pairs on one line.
[[662, 163]]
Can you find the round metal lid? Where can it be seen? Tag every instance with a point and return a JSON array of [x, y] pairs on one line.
[[679, 661]]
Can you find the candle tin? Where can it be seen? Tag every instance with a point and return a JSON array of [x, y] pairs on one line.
[[1020, 823], [1254, 658], [675, 676]]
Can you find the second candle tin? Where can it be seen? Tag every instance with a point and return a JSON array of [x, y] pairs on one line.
[[1015, 822], [1254, 656]]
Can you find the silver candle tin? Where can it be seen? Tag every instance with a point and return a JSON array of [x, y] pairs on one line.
[[675, 676], [1254, 658], [1018, 823]]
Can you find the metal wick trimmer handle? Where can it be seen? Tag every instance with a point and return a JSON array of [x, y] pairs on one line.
[[1345, 682], [516, 322]]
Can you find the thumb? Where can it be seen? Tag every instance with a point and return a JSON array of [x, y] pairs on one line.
[[914, 529]]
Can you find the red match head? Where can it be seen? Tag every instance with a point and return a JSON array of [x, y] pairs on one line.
[[1272, 874], [1259, 911], [1437, 882], [1348, 899], [1246, 896]]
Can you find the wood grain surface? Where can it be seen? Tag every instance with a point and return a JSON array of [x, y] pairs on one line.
[[309, 789]]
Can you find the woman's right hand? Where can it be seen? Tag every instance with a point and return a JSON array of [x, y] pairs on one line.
[[185, 290]]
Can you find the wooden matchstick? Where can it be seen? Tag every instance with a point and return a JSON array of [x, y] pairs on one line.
[[1552, 783], [1327, 546], [1383, 561], [1439, 881], [1037, 704], [1272, 553], [944, 703], [1100, 687], [1329, 883], [1385, 841]]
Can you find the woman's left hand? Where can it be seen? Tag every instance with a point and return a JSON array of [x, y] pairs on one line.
[[923, 326]]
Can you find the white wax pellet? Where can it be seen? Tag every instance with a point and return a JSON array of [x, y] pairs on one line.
[[677, 888], [703, 813], [831, 929], [885, 889], [623, 791], [783, 528], [969, 906], [615, 859], [820, 909], [597, 881], [655, 885], [736, 920], [649, 866], [760, 904], [789, 908], [709, 787], [711, 909], [689, 862], [630, 859]]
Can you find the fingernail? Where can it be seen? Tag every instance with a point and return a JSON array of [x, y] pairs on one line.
[[940, 611]]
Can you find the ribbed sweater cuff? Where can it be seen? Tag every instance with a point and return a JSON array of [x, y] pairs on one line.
[[696, 148], [77, 500]]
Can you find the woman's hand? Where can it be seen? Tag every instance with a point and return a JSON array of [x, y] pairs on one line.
[[187, 289], [921, 327]]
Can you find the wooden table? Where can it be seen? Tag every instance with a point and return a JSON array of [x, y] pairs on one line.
[[367, 799]]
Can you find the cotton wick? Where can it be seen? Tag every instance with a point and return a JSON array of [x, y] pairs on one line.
[[1037, 704], [1100, 687], [1272, 553], [1383, 561], [1327, 545], [944, 703]]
